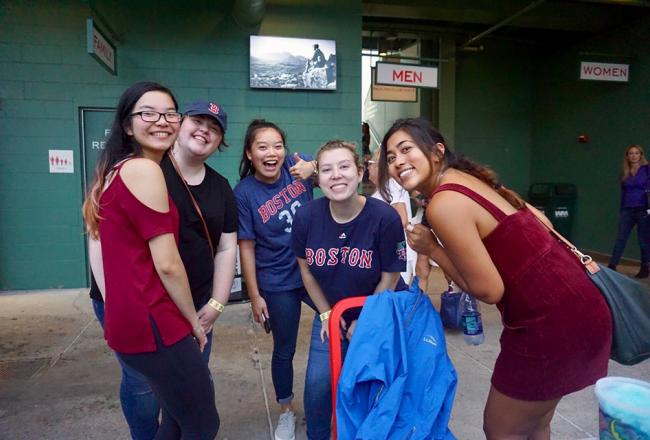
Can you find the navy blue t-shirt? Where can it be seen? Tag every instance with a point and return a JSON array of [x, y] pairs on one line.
[[266, 213], [348, 259]]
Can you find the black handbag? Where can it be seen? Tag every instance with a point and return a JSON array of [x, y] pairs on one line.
[[629, 304]]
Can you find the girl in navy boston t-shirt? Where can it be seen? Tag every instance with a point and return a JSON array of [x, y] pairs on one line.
[[268, 198], [347, 245]]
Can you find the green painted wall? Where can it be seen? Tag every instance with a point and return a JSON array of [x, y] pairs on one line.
[[613, 115], [494, 105], [198, 50]]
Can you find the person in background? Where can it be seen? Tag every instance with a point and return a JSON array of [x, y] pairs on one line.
[[633, 211], [557, 326], [150, 321], [317, 59], [346, 245], [423, 263], [399, 199], [272, 189]]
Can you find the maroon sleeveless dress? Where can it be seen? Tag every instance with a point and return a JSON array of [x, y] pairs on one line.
[[557, 330]]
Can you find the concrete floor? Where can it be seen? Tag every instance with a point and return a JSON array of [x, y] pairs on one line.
[[59, 380]]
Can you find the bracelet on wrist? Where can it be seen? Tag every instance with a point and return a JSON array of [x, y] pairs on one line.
[[216, 305], [325, 315]]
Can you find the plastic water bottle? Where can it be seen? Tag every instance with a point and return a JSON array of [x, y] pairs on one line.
[[471, 317]]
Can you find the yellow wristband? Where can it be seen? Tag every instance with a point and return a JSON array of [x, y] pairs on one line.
[[325, 315], [216, 305]]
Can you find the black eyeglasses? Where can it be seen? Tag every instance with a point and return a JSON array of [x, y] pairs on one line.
[[150, 116]]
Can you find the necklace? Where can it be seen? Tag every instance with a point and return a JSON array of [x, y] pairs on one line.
[[439, 178]]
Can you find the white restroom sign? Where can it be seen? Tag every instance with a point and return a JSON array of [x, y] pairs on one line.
[[604, 71], [61, 161], [561, 212], [406, 75]]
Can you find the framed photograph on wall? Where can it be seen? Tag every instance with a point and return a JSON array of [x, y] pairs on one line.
[[292, 63]]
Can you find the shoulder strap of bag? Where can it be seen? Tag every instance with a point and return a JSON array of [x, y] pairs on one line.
[[590, 265], [196, 205]]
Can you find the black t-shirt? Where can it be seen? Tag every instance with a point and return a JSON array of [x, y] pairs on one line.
[[217, 202]]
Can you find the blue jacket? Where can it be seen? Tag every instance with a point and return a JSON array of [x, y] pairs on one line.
[[397, 382]]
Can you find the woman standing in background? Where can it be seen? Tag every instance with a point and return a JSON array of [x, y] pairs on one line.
[[400, 201], [635, 183]]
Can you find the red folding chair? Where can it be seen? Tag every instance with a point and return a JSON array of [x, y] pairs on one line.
[[335, 345]]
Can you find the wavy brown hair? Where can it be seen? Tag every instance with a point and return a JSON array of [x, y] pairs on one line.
[[625, 168], [426, 137]]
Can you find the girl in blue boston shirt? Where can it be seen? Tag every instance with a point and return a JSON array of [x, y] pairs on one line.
[[268, 198], [346, 245], [635, 182]]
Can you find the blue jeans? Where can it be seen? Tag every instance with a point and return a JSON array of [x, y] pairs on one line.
[[139, 404], [628, 218], [318, 391], [284, 314]]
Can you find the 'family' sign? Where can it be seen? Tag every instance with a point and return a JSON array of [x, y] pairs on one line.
[[100, 48]]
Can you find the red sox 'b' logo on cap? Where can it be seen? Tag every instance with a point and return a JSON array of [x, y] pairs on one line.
[[214, 108]]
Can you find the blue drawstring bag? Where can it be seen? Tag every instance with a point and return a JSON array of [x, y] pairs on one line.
[[450, 313]]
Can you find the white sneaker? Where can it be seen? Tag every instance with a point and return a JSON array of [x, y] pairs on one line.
[[286, 429]]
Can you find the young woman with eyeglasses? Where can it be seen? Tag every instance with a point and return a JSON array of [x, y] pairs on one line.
[[150, 320]]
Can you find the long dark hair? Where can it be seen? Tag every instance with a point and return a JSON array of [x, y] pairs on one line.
[[426, 137], [118, 146], [246, 167]]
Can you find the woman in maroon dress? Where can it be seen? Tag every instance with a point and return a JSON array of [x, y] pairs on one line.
[[557, 327]]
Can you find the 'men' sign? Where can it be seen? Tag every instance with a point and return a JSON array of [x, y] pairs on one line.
[[406, 75], [604, 71]]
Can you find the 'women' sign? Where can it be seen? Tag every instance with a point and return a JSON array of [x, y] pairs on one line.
[[604, 71]]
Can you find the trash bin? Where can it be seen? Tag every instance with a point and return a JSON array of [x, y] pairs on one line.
[[557, 202]]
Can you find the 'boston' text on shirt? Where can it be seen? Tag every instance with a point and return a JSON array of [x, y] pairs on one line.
[[278, 201], [350, 256]]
